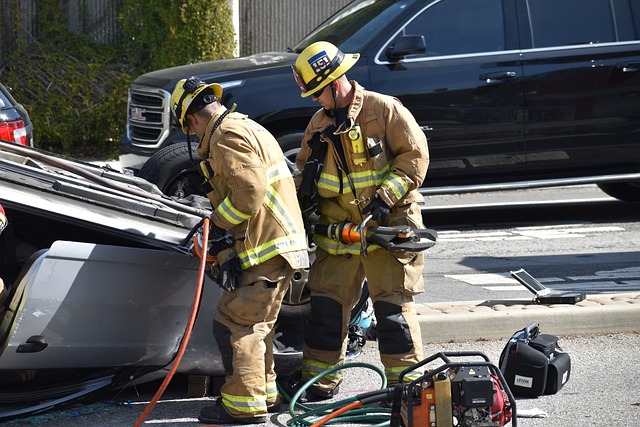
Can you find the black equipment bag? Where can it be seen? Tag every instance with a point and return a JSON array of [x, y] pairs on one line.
[[559, 371], [533, 364]]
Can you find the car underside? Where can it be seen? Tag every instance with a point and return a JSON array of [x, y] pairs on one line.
[[99, 284]]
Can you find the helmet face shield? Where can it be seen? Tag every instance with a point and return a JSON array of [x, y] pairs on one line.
[[185, 92], [320, 64]]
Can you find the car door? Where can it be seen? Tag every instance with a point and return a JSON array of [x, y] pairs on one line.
[[581, 81], [464, 89], [84, 305]]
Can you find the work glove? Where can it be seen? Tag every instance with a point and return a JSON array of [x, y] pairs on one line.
[[215, 232], [310, 221], [219, 240], [227, 272], [377, 208]]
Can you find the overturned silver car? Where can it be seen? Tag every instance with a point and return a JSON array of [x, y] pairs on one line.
[[99, 284]]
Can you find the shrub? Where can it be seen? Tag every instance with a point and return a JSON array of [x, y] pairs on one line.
[[75, 89]]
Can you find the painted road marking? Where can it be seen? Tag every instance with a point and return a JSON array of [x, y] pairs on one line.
[[619, 280], [564, 231]]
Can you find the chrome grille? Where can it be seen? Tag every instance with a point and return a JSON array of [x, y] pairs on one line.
[[148, 116]]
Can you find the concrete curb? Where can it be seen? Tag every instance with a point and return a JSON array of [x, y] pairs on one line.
[[494, 319]]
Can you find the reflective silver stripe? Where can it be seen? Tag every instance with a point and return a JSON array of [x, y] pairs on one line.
[[312, 369], [279, 209], [272, 248], [332, 183], [397, 185], [230, 213], [393, 374], [245, 404], [365, 179], [334, 247], [272, 390], [235, 216]]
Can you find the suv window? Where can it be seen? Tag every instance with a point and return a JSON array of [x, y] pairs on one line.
[[634, 6], [370, 15], [570, 22], [460, 27]]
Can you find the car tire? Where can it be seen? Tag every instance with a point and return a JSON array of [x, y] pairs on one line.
[[625, 191], [290, 144], [173, 170], [175, 174]]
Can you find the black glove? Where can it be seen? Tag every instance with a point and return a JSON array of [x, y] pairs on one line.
[[215, 232], [219, 239], [377, 208], [227, 272], [310, 221]]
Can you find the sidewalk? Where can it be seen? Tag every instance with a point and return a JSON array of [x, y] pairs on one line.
[[499, 319]]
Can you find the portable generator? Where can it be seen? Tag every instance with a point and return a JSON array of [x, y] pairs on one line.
[[460, 393]]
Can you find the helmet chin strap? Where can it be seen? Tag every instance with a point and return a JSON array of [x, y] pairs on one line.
[[335, 101], [332, 113], [189, 144]]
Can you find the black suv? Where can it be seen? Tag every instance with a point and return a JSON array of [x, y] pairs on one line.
[[511, 93]]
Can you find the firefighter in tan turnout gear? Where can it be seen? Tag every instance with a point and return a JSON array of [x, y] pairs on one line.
[[362, 154], [258, 225]]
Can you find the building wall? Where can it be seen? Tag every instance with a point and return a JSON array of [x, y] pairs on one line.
[[274, 25], [262, 25]]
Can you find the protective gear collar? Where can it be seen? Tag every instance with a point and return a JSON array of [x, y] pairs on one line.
[[184, 93], [319, 64]]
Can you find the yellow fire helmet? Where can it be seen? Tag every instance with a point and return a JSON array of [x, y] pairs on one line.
[[185, 92], [320, 64]]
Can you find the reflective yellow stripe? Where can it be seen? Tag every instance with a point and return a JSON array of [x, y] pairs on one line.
[[277, 172], [272, 390], [245, 404], [359, 180], [393, 374], [279, 208], [311, 368], [334, 247], [235, 216], [230, 213], [332, 183], [272, 248], [295, 239], [397, 185], [369, 177]]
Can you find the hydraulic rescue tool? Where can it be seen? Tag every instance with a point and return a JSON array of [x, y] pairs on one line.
[[401, 238]]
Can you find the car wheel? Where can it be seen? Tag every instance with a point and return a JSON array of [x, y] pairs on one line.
[[290, 143], [175, 174], [173, 171], [626, 191]]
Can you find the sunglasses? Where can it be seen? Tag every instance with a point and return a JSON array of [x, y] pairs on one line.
[[318, 93]]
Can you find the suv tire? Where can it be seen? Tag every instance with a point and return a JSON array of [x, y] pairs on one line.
[[173, 170], [626, 191]]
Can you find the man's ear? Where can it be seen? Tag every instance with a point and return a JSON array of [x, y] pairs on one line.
[[189, 119]]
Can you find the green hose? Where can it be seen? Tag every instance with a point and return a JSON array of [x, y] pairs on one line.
[[372, 416]]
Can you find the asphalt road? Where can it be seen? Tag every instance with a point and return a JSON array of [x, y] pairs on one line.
[[603, 390], [568, 238]]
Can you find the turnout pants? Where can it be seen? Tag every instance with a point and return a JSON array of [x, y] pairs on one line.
[[336, 285], [243, 328]]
